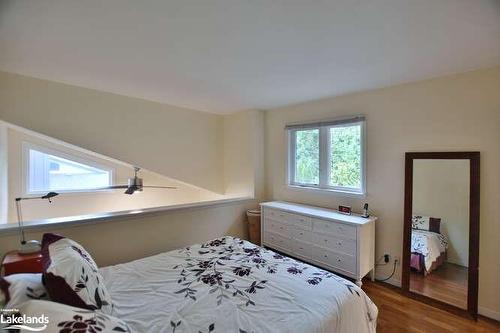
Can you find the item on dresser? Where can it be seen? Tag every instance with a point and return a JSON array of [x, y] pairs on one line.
[[341, 243], [19, 288], [365, 211], [71, 276], [64, 318], [345, 210], [15, 263]]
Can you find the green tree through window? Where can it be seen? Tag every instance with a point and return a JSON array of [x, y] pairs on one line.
[[307, 156], [345, 156]]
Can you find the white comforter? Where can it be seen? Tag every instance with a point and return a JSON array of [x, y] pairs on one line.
[[230, 285], [429, 244]]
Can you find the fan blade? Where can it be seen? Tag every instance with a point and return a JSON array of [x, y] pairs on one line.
[[130, 190], [167, 187], [113, 187]]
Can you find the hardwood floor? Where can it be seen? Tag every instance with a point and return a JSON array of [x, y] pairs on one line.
[[448, 283], [398, 313]]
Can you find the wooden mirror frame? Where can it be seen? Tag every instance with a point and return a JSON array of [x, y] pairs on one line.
[[473, 273]]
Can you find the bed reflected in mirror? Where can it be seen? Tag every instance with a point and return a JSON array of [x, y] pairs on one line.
[[438, 214], [440, 230]]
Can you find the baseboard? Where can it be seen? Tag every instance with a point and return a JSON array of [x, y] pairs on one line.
[[392, 281], [495, 315]]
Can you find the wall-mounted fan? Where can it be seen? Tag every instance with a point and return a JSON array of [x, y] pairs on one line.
[[134, 184]]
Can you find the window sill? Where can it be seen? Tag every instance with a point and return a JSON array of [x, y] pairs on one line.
[[327, 191], [11, 228]]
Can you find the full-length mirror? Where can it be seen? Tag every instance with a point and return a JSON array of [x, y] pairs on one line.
[[441, 223]]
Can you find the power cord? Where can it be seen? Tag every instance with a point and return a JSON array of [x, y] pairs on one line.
[[392, 274]]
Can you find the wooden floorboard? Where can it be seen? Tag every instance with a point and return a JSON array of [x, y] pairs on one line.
[[398, 313], [448, 283]]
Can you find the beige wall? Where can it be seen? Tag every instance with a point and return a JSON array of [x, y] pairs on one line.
[[441, 189], [460, 112], [182, 144], [124, 240], [244, 153]]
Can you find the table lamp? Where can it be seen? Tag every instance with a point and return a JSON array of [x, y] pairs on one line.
[[30, 246]]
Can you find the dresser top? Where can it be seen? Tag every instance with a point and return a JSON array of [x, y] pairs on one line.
[[318, 212]]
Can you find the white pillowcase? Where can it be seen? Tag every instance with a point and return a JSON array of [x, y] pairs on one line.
[[71, 276], [19, 288]]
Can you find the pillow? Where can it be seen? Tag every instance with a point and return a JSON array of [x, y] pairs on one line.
[[426, 223], [19, 288], [71, 276], [66, 319]]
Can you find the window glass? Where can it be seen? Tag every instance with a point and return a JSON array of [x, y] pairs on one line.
[[345, 156], [307, 156], [53, 173], [328, 156]]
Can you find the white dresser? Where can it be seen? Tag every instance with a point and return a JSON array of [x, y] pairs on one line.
[[340, 243]]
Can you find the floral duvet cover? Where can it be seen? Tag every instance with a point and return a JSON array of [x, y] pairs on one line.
[[231, 285]]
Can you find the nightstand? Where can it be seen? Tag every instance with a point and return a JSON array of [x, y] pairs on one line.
[[14, 262]]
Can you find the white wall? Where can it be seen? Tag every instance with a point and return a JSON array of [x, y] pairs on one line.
[[460, 112], [441, 189], [182, 144]]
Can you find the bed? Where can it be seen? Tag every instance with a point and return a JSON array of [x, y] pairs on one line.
[[231, 285], [428, 250]]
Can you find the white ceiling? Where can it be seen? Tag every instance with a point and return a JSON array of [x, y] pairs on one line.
[[228, 55]]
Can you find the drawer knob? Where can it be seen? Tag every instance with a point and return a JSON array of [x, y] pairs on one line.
[[326, 240], [326, 256], [339, 260], [339, 243], [301, 233]]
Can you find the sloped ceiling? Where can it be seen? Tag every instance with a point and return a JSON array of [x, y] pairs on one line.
[[224, 56]]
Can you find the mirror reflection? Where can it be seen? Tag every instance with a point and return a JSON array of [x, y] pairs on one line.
[[440, 230]]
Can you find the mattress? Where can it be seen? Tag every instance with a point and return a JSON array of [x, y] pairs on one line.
[[428, 244], [231, 285]]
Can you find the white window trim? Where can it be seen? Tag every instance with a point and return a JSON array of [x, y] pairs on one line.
[[324, 141], [27, 146]]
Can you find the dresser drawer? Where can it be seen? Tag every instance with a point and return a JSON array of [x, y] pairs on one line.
[[302, 249], [300, 221], [300, 234], [340, 261], [277, 227], [280, 242], [342, 245], [276, 215], [334, 228]]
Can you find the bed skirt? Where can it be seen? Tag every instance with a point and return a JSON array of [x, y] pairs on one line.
[[417, 262]]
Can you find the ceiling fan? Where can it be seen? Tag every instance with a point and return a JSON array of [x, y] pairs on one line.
[[134, 184]]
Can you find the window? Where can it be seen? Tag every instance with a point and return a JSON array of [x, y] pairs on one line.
[[328, 155], [51, 171]]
